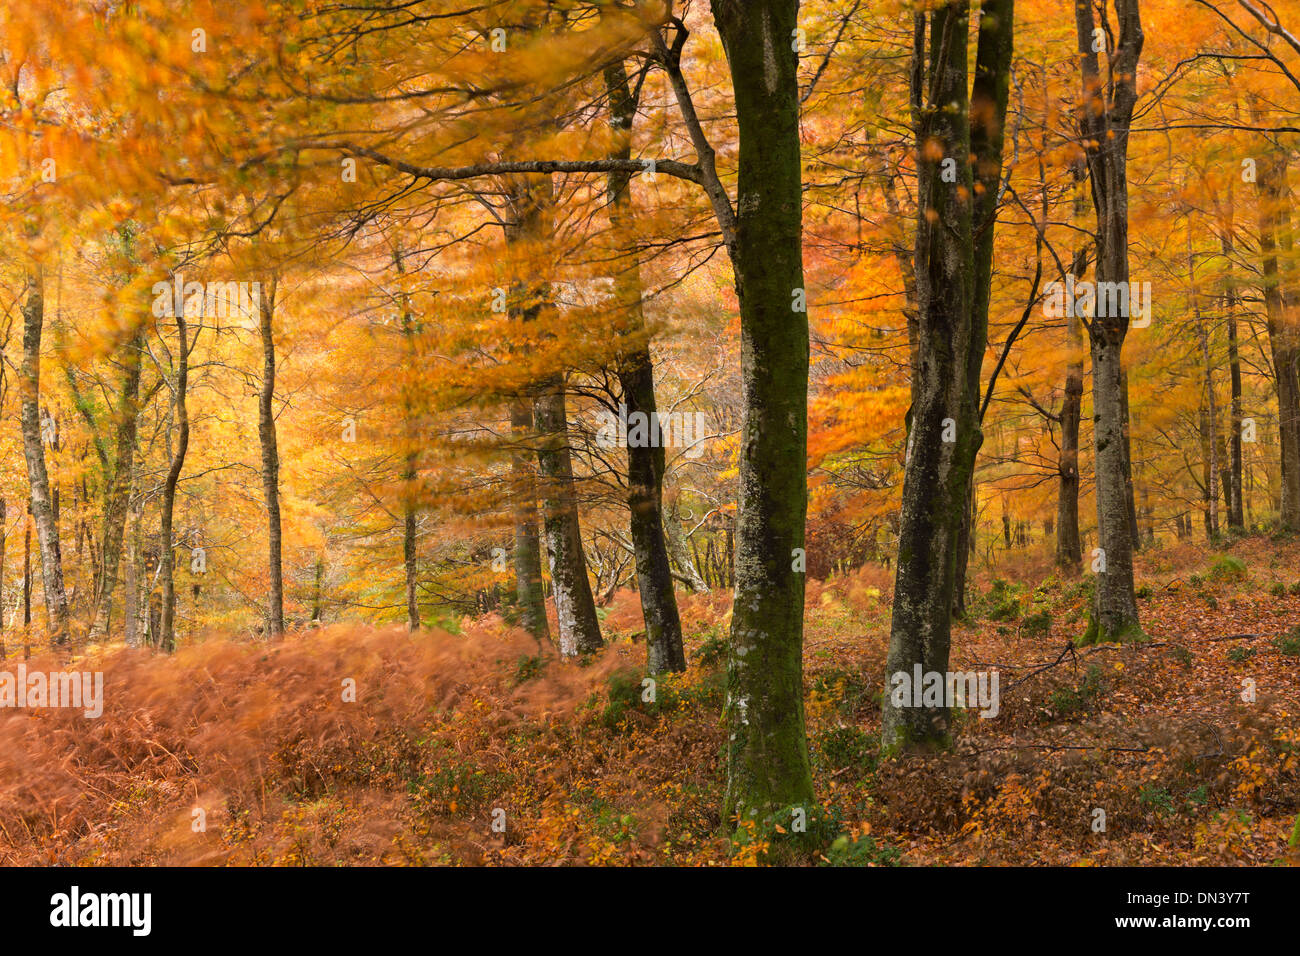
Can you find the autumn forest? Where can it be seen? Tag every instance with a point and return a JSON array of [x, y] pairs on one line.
[[642, 432]]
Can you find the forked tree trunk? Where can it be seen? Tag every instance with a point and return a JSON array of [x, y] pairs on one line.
[[1104, 127], [42, 504], [944, 429]]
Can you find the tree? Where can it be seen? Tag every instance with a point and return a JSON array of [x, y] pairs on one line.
[[42, 504], [1105, 114], [270, 461], [645, 460]]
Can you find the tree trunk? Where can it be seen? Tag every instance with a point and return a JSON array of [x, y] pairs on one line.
[[410, 553], [167, 619], [1104, 128], [42, 504], [131, 579], [4, 537], [1274, 231], [270, 464], [575, 608], [529, 594], [118, 496], [645, 460], [988, 112], [1236, 515], [768, 770]]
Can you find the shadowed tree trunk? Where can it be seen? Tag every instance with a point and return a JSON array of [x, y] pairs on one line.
[[167, 618], [1104, 128], [952, 310], [645, 460], [1069, 545], [270, 463], [42, 505], [988, 112]]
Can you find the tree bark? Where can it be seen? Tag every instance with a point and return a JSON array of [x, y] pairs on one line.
[[988, 112], [529, 594], [645, 460], [768, 770], [410, 552], [167, 620], [575, 608], [118, 497], [1104, 128], [270, 463], [42, 505], [1284, 342]]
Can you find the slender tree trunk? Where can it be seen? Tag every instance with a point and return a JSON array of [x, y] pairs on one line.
[[410, 552], [270, 464], [1209, 406], [167, 620], [575, 608], [131, 578], [645, 460], [768, 771], [4, 536], [27, 571], [682, 555], [42, 503], [118, 497], [1069, 548], [988, 111], [1069, 545], [529, 594], [318, 589], [1104, 126], [1236, 516]]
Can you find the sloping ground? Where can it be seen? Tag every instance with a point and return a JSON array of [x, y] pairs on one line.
[[453, 739]]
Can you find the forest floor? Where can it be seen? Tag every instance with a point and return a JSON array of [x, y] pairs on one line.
[[244, 753]]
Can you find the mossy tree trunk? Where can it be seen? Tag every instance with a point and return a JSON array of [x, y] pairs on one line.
[[768, 772]]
